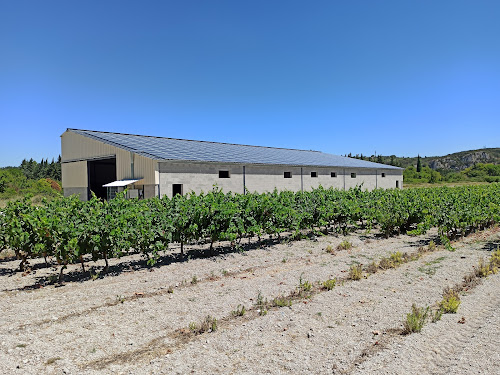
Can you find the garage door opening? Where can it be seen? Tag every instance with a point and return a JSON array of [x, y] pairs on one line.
[[100, 172]]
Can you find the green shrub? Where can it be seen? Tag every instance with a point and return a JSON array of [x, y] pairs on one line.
[[450, 302], [415, 320]]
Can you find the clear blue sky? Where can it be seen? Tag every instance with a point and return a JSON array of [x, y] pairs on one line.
[[396, 77]]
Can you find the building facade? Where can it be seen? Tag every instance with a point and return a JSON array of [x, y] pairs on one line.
[[155, 166]]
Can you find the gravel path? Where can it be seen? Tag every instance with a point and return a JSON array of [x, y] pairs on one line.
[[129, 323]]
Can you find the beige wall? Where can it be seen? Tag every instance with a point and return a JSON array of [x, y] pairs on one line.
[[199, 177], [77, 147], [74, 174]]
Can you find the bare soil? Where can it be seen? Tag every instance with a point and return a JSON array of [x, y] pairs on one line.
[[135, 319]]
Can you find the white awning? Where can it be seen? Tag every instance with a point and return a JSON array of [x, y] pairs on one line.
[[120, 183]]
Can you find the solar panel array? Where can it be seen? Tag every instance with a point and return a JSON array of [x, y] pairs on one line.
[[159, 148]]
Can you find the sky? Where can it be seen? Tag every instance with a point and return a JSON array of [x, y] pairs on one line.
[[386, 77]]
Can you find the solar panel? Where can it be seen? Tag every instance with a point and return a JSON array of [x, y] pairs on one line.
[[159, 148]]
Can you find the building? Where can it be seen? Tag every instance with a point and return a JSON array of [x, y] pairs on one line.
[[148, 166]]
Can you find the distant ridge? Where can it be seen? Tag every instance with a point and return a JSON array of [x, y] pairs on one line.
[[457, 161]]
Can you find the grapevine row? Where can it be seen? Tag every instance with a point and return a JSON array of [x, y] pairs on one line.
[[71, 231]]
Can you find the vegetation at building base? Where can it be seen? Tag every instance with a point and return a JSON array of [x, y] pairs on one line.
[[31, 178], [71, 231]]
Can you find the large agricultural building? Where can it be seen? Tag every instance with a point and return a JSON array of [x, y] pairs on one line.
[[104, 163]]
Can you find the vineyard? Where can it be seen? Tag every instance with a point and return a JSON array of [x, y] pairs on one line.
[[70, 231]]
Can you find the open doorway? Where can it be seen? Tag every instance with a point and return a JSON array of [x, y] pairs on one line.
[[100, 172], [176, 189]]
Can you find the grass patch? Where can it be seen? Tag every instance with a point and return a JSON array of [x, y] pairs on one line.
[[344, 245]]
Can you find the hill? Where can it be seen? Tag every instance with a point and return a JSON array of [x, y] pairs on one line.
[[481, 165], [457, 161]]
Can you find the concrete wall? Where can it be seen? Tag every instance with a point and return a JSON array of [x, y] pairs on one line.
[[199, 177]]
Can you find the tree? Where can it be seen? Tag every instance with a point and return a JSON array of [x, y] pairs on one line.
[[419, 164]]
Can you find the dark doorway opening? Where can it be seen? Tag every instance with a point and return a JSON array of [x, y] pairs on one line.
[[176, 189], [100, 172]]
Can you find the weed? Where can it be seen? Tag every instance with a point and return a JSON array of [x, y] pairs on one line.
[[431, 246], [170, 289], [283, 260], [52, 360], [415, 320], [261, 304], [193, 327], [344, 245], [396, 258], [120, 299], [240, 311], [436, 315], [225, 272], [194, 280], [53, 279], [495, 258], [356, 272], [21, 346], [372, 267], [385, 264], [281, 301], [329, 249], [484, 269], [94, 276], [329, 284], [450, 302], [208, 325], [310, 251], [304, 286]]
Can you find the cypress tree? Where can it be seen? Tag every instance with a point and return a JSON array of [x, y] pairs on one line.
[[419, 164]]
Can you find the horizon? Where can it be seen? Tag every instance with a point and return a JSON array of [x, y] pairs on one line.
[[387, 78]]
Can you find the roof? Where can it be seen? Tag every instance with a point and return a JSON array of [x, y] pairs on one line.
[[163, 149]]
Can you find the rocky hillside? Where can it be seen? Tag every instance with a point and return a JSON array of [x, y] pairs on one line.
[[465, 159], [455, 162]]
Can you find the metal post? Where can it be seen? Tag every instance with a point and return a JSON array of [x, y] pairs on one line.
[[301, 180], [244, 184]]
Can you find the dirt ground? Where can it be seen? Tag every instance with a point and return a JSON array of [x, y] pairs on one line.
[[135, 319]]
